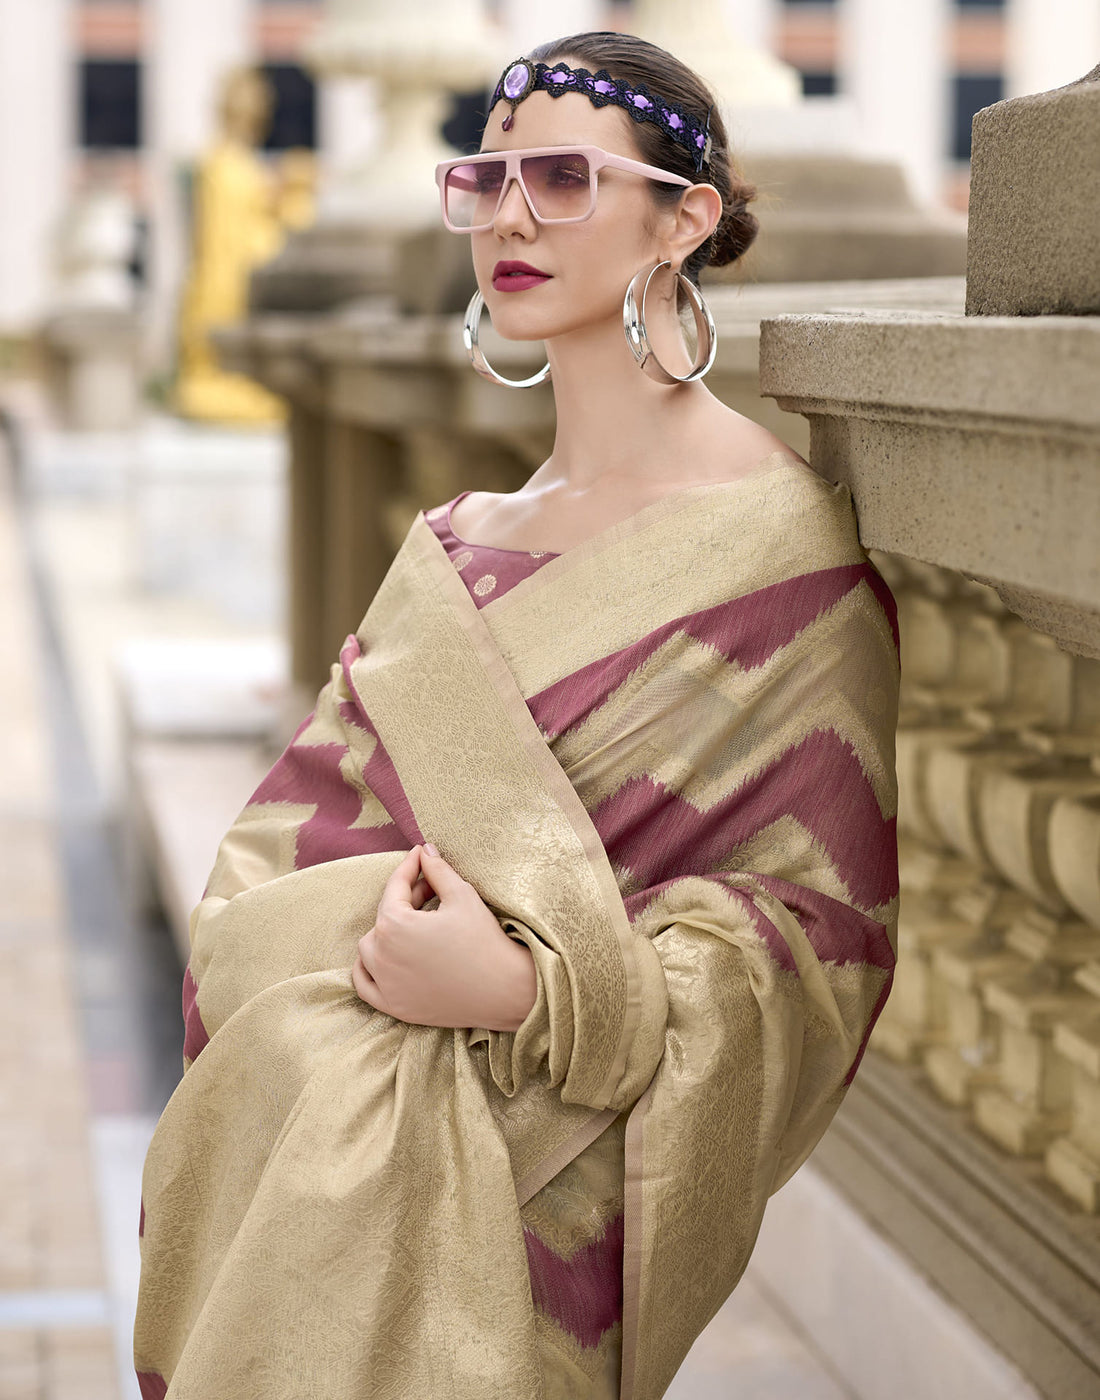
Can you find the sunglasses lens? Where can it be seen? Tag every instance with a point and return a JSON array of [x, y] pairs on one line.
[[471, 192], [559, 187]]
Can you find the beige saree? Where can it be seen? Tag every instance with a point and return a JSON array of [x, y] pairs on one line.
[[665, 761]]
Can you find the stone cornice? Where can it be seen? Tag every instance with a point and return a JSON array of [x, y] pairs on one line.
[[968, 442]]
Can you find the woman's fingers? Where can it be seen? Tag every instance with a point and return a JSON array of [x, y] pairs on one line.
[[446, 880], [398, 888], [417, 877], [421, 893], [365, 985]]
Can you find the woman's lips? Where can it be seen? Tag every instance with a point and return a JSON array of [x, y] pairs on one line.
[[518, 281]]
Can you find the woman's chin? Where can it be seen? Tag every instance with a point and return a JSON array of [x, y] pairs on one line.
[[515, 323]]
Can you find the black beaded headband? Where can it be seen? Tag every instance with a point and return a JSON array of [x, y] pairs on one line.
[[522, 77]]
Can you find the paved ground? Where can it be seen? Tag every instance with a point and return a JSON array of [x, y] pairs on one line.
[[55, 1307], [90, 1034]]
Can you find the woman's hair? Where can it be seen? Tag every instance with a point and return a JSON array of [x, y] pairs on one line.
[[626, 57]]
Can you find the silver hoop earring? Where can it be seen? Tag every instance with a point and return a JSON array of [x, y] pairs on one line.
[[637, 337], [477, 357]]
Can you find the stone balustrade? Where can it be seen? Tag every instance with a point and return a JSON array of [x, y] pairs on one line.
[[971, 444], [998, 733]]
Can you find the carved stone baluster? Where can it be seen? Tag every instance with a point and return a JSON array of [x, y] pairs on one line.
[[1039, 691], [1015, 804], [1075, 852], [1031, 1103], [915, 1015], [968, 1059], [927, 623], [1073, 1160]]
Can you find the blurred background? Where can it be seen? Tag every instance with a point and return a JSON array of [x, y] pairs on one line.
[[231, 371]]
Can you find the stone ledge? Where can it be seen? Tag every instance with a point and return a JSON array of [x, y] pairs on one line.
[[184, 795], [967, 442], [998, 1240], [1007, 370]]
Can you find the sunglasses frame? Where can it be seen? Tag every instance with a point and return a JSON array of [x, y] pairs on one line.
[[597, 159]]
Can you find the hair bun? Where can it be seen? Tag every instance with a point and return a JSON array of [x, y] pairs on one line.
[[737, 228]]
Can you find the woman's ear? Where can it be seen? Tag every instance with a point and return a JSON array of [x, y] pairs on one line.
[[699, 214]]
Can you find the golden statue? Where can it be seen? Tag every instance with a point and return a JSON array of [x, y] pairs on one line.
[[241, 218]]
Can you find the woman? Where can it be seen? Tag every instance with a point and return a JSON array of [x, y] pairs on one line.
[[500, 1119]]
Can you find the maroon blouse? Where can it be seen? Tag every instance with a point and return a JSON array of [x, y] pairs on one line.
[[486, 571]]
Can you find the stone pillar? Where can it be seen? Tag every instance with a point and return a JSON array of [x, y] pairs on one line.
[[377, 201], [362, 474], [1048, 267], [893, 64], [709, 36], [349, 128], [1048, 43], [415, 58], [188, 49], [37, 136], [306, 512], [753, 21], [531, 22]]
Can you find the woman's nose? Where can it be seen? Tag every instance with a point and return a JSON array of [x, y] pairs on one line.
[[513, 207]]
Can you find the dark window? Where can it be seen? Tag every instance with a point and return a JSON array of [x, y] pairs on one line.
[[808, 2], [294, 121], [973, 91], [818, 84], [980, 4], [466, 122], [110, 102]]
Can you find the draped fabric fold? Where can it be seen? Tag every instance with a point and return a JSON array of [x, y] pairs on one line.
[[665, 762]]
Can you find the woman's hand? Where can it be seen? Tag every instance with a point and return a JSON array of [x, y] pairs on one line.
[[451, 966]]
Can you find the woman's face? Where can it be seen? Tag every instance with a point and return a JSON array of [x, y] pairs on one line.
[[589, 263]]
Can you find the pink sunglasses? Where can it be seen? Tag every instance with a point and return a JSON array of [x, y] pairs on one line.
[[558, 182]]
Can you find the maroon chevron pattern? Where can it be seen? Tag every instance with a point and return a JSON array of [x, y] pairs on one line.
[[308, 773], [748, 633], [584, 1293]]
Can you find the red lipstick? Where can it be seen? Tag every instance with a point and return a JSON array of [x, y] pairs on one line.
[[512, 276]]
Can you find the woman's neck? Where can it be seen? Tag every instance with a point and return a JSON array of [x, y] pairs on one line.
[[615, 423]]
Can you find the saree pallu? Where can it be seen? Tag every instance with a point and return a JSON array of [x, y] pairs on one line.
[[665, 761]]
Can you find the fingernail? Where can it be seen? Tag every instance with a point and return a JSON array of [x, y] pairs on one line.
[[430, 849]]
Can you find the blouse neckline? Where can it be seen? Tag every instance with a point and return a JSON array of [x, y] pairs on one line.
[[790, 461], [496, 548]]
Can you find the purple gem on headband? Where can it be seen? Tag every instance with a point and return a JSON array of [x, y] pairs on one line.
[[516, 79]]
